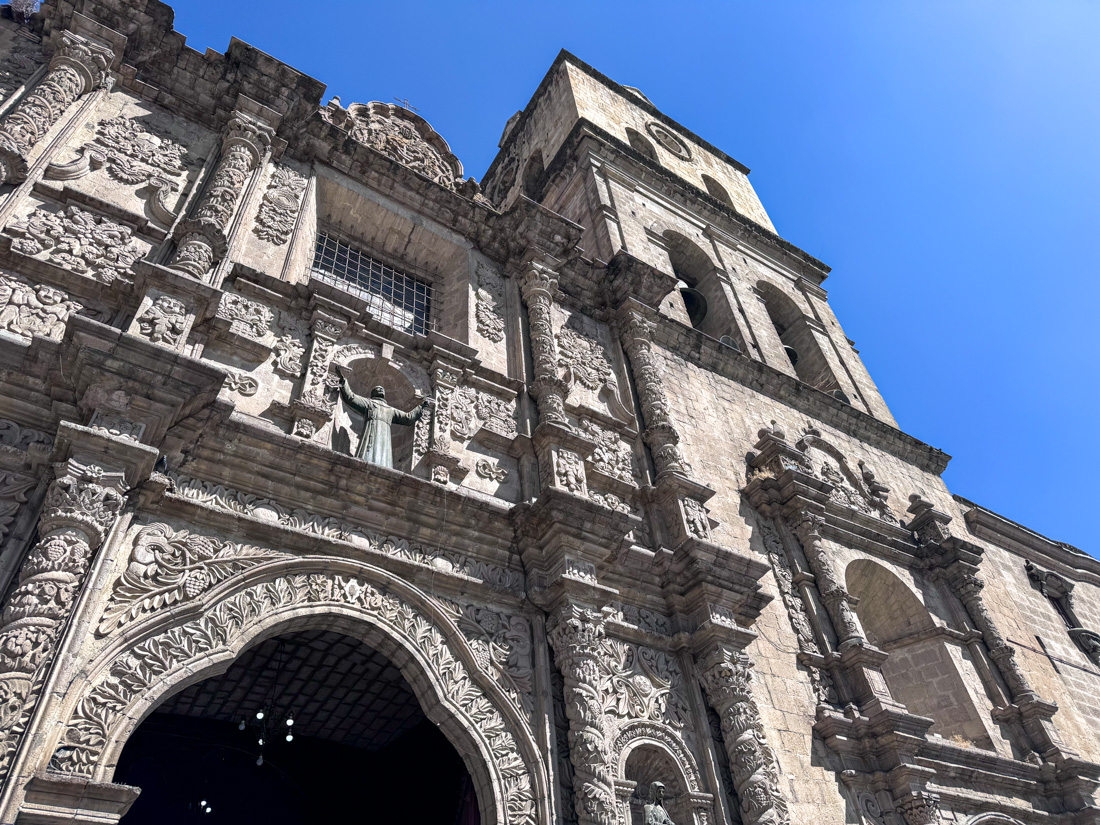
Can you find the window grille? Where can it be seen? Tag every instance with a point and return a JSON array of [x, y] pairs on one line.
[[393, 297]]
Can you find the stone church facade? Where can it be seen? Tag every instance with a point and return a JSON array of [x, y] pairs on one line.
[[656, 526]]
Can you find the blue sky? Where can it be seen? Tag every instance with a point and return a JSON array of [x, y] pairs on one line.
[[940, 156]]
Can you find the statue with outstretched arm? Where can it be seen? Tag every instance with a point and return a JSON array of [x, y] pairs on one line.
[[375, 442]]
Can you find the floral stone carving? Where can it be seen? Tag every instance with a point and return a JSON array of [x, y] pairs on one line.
[[34, 310], [246, 317], [583, 359], [17, 66], [279, 208], [80, 242], [612, 456], [164, 321], [489, 304], [167, 657], [134, 153]]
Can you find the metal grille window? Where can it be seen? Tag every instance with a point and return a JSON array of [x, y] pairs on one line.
[[394, 298]]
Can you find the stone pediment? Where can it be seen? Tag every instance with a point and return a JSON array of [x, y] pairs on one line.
[[401, 135]]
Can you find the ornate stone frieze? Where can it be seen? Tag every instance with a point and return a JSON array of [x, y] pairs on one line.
[[16, 67], [29, 310], [241, 383], [16, 437], [117, 425], [612, 456], [279, 207], [290, 346], [726, 678], [167, 656], [537, 287], [13, 495], [501, 643], [488, 470], [577, 637], [78, 66], [81, 506], [641, 618], [164, 321], [440, 559], [79, 241], [135, 153], [467, 410], [583, 359], [247, 318], [636, 334], [401, 135], [610, 501], [489, 304], [643, 683]]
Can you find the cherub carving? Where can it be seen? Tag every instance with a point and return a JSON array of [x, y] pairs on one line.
[[34, 310]]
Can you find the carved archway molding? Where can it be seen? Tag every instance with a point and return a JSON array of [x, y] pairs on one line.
[[643, 732], [993, 819], [175, 648]]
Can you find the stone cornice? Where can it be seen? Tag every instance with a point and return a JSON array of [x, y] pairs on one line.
[[1008, 535], [707, 353]]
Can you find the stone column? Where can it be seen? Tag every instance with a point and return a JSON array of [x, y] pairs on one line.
[[81, 506], [537, 288], [78, 66], [203, 237], [314, 406], [968, 588], [726, 676], [807, 526], [576, 635], [636, 334]]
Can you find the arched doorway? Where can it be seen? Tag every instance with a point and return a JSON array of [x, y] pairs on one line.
[[359, 744]]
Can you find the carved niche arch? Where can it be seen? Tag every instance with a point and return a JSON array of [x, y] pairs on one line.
[[993, 819], [654, 745], [156, 658]]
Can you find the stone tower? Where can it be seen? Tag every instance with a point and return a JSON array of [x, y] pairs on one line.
[[651, 549]]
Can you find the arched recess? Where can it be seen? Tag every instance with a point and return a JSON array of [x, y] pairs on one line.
[[648, 753], [153, 659], [640, 144], [920, 671], [533, 170], [405, 385], [717, 191], [700, 298], [798, 339]]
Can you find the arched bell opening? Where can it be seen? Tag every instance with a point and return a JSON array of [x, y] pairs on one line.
[[700, 299], [344, 739]]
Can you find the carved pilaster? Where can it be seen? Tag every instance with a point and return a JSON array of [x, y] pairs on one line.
[[537, 288], [726, 678], [807, 526], [203, 238], [576, 634], [660, 434], [318, 397], [81, 506], [78, 66]]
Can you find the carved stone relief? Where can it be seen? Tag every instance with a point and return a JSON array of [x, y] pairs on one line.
[[643, 683], [467, 410], [247, 318], [13, 495], [167, 657], [80, 242], [164, 321], [583, 359], [16, 437], [440, 559], [290, 346], [135, 153], [16, 67], [116, 425], [29, 310], [569, 472], [279, 207], [612, 456], [241, 383], [489, 304], [488, 470]]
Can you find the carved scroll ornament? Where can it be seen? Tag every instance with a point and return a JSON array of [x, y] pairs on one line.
[[80, 242]]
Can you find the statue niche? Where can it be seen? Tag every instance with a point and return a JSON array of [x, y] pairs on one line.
[[352, 431]]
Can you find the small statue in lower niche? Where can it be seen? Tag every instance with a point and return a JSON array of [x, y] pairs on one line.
[[654, 812], [375, 442]]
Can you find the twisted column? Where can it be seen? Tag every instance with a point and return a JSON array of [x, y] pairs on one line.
[[577, 634], [726, 678], [636, 335], [537, 288], [81, 506], [203, 238], [78, 66], [833, 593]]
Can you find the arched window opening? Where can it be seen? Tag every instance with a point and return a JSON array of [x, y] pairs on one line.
[[532, 176], [699, 299], [797, 339], [640, 144], [923, 668], [717, 191], [332, 712]]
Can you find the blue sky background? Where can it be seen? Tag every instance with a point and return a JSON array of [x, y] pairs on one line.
[[942, 157]]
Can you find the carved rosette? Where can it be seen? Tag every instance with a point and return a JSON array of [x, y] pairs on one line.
[[807, 526], [660, 434], [727, 679], [202, 239], [577, 636], [78, 66], [537, 288], [81, 506]]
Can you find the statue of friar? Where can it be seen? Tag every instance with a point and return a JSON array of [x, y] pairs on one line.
[[654, 812], [375, 443]]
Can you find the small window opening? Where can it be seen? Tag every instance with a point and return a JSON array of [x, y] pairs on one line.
[[394, 298], [717, 191], [532, 176], [640, 144]]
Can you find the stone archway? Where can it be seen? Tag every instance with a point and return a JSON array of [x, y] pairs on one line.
[[152, 659]]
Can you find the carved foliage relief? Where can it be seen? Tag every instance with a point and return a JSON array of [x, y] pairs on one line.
[[279, 208], [489, 304], [79, 241], [136, 153], [583, 359], [38, 309], [17, 65], [225, 626]]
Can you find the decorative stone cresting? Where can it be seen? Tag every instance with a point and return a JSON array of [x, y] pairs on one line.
[[81, 506], [224, 627], [77, 67]]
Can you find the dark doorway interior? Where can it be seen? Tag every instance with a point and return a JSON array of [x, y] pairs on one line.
[[362, 748]]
